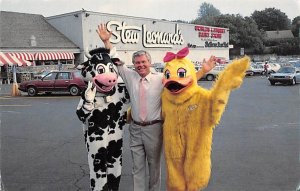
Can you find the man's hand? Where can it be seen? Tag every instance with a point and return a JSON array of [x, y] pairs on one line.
[[104, 35], [209, 64], [206, 67]]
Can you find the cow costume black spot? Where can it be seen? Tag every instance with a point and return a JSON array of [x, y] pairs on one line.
[[102, 109]]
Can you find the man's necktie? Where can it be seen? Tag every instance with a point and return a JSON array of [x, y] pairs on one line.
[[143, 107]]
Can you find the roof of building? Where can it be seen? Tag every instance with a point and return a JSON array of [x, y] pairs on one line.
[[30, 31], [279, 34]]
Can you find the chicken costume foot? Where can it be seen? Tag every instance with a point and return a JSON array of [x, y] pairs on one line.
[[190, 114]]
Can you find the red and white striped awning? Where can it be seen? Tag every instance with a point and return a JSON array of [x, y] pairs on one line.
[[23, 55], [54, 56], [8, 59]]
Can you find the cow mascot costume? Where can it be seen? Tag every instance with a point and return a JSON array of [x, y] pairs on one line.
[[102, 109], [190, 114]]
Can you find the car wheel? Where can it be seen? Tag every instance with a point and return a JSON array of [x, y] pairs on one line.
[[31, 91], [272, 83], [293, 82], [210, 77], [74, 90]]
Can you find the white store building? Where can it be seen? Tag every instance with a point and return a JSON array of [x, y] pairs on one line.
[[135, 33]]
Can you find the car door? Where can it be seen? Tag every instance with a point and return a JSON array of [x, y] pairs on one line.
[[62, 81], [47, 82], [298, 75]]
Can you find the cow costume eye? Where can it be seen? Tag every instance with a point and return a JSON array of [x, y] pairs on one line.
[[181, 73], [100, 69], [111, 68], [167, 74]]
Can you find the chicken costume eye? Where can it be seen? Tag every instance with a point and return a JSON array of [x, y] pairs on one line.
[[181, 73], [167, 74]]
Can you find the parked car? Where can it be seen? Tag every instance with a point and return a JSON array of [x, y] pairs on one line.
[[285, 75], [297, 64], [257, 69], [294, 62], [249, 72], [159, 69], [58, 81], [211, 75], [272, 67]]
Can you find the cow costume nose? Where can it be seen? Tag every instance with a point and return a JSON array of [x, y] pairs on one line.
[[107, 79], [111, 79]]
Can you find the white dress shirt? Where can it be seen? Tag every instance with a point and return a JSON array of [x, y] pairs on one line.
[[153, 88]]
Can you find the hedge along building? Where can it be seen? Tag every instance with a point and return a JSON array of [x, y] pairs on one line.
[[130, 34]]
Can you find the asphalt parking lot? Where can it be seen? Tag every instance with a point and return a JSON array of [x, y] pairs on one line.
[[255, 147]]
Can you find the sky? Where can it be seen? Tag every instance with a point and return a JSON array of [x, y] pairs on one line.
[[157, 9]]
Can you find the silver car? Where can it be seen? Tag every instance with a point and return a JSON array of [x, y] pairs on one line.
[[285, 75], [212, 74]]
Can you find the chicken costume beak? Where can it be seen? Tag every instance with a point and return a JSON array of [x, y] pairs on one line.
[[177, 85]]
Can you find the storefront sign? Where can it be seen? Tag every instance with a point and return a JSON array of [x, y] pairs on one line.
[[151, 39], [210, 37], [209, 32]]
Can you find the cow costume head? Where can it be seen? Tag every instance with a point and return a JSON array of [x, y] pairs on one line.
[[100, 69]]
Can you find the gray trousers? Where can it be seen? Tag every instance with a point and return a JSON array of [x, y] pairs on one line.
[[146, 146]]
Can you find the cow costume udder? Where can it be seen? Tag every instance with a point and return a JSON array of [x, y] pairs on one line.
[[102, 109]]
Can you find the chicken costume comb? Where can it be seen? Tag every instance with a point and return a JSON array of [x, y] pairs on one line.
[[190, 114]]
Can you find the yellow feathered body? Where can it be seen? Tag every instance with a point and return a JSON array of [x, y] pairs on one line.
[[189, 119]]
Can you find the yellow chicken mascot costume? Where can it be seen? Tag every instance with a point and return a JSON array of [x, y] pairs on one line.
[[190, 113]]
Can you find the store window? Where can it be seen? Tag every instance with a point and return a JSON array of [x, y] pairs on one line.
[[52, 62]]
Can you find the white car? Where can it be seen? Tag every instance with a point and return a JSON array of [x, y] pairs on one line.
[[211, 75], [285, 75], [272, 67], [257, 69]]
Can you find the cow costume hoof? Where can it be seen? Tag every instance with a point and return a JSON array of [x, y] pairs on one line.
[[102, 109]]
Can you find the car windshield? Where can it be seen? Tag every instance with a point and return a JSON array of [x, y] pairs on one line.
[[286, 70]]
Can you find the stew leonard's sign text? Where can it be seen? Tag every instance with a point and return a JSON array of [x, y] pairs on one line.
[[124, 33]]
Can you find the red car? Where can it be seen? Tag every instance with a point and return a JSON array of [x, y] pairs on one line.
[[57, 81]]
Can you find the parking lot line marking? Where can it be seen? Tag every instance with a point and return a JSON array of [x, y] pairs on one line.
[[36, 97], [15, 105]]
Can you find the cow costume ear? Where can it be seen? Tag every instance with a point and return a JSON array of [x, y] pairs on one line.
[[117, 61], [82, 65], [113, 52]]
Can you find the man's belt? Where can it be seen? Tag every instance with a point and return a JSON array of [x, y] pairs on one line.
[[145, 123]]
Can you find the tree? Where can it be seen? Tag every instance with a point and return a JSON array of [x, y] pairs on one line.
[[243, 32], [208, 10], [271, 19], [296, 26], [206, 14]]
